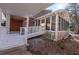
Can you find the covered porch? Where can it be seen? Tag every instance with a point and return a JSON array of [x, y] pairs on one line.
[[13, 28]]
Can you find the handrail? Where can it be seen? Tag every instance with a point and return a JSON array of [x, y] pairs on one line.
[[31, 29]]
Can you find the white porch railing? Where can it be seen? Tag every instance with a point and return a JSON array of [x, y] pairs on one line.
[[33, 31]]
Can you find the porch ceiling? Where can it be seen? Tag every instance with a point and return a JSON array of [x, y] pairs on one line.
[[23, 9]]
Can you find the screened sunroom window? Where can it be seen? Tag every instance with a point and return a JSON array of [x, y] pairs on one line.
[[74, 20], [43, 22], [38, 22], [48, 23], [63, 24], [53, 23]]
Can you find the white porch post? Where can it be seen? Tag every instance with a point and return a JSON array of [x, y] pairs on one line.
[[40, 22], [26, 30], [50, 22], [56, 27], [51, 26], [35, 23], [8, 22], [27, 21], [0, 17], [27, 25], [1, 29], [45, 23], [0, 24]]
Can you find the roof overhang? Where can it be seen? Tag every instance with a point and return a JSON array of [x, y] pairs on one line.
[[23, 9]]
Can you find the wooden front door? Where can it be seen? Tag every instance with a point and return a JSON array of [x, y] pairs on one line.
[[15, 24]]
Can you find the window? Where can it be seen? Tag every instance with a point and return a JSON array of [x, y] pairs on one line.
[[63, 24], [53, 23], [48, 23], [31, 21], [3, 23], [43, 22], [38, 22]]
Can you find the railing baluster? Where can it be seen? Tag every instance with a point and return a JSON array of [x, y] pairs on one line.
[[31, 30]]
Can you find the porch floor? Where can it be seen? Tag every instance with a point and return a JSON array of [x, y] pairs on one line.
[[43, 46], [11, 40]]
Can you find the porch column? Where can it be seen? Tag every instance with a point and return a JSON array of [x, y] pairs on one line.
[[0, 21], [56, 27], [45, 23], [35, 22], [27, 21], [40, 22], [50, 22], [1, 29], [0, 17], [51, 26], [8, 22], [26, 31], [27, 26]]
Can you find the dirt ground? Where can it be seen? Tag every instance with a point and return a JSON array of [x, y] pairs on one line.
[[43, 46]]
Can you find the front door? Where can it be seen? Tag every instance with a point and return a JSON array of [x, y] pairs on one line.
[[15, 24]]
